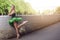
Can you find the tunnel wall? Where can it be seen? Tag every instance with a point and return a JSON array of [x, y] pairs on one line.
[[34, 22]]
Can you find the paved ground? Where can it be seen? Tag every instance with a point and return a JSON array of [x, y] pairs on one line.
[[49, 33]]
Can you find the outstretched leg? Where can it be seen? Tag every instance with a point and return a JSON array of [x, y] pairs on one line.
[[20, 25]]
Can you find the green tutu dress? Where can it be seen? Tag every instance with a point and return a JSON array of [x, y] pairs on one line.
[[14, 19]]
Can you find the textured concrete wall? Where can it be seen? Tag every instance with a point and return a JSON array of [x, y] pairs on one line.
[[5, 30], [34, 23], [37, 22]]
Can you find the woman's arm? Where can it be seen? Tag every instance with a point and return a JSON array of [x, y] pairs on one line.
[[11, 12]]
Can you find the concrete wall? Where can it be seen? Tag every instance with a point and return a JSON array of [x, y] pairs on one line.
[[34, 22], [37, 22], [6, 30]]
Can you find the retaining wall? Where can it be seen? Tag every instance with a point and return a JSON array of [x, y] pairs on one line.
[[34, 22]]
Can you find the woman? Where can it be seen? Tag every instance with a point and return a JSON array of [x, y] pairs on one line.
[[14, 21]]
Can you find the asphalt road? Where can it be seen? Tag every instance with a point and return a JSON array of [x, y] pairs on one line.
[[51, 32]]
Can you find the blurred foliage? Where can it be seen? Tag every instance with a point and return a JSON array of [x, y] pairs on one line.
[[57, 10], [3, 6], [22, 7], [46, 12], [51, 12]]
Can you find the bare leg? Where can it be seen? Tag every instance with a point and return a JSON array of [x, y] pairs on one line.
[[20, 25], [17, 27], [17, 30]]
